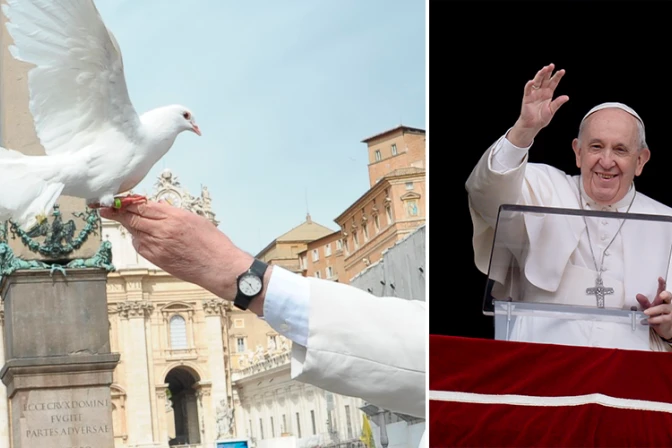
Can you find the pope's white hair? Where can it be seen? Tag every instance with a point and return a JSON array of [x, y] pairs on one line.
[[640, 125]]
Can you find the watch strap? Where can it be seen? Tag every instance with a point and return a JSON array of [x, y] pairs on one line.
[[258, 268]]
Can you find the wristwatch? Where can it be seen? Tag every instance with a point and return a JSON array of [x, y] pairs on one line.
[[250, 283]]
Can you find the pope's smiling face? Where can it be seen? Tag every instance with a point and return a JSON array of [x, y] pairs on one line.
[[610, 153]]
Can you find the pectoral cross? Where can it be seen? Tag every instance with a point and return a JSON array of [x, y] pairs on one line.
[[599, 291]]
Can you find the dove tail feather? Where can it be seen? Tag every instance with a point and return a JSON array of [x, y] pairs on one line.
[[27, 210], [24, 196]]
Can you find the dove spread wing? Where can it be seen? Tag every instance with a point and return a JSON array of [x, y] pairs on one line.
[[77, 87]]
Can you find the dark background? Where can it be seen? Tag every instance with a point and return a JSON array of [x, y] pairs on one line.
[[481, 55]]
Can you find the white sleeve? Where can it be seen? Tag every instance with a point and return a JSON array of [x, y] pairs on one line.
[[286, 305], [506, 156]]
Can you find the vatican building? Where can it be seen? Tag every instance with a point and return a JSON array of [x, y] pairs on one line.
[[194, 370]]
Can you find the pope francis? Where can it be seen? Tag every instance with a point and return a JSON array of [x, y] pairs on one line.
[[566, 256]]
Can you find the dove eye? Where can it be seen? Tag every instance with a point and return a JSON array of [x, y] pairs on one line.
[[186, 115]]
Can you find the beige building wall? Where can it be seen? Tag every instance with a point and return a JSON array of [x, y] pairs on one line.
[[400, 147], [323, 258], [395, 203], [383, 215], [249, 335], [284, 251]]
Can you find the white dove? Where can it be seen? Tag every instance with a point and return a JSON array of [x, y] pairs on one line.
[[97, 145]]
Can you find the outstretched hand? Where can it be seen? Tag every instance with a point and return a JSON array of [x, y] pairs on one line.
[[183, 244], [539, 107], [660, 310]]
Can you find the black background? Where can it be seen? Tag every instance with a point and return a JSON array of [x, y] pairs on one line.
[[481, 56]]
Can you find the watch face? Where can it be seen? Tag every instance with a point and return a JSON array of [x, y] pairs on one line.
[[250, 284]]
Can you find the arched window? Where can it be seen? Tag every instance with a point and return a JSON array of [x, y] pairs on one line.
[[178, 332]]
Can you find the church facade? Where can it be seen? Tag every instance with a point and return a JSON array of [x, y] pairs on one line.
[[190, 362]]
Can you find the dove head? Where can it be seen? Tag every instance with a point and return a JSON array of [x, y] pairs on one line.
[[186, 120], [175, 118]]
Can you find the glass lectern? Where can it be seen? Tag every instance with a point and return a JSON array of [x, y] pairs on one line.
[[572, 277]]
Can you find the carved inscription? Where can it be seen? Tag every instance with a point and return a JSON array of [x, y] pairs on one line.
[[66, 418], [73, 422]]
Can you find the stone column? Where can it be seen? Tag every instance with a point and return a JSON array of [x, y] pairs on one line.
[[213, 309], [58, 368], [135, 314], [203, 402], [162, 406]]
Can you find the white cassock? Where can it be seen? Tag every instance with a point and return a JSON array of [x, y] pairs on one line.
[[350, 342], [558, 265]]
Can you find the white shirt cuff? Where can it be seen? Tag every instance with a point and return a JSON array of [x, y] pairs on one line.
[[287, 305], [507, 156]]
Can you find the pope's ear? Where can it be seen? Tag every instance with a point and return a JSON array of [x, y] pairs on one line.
[[642, 157], [577, 152]]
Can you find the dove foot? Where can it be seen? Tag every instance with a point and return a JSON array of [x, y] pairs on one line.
[[124, 201], [106, 201], [117, 202]]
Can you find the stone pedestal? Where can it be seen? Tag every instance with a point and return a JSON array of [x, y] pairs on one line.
[[58, 368]]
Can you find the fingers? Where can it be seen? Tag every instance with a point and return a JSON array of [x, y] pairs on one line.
[[556, 103], [658, 309], [149, 210], [543, 79], [555, 79], [529, 87], [661, 286], [643, 300], [660, 319], [541, 75], [662, 296], [134, 222], [109, 213]]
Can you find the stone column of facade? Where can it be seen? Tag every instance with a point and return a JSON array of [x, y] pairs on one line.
[[204, 401], [135, 313], [162, 404], [239, 424], [58, 367], [213, 309]]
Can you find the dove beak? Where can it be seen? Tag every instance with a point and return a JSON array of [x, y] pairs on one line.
[[196, 129]]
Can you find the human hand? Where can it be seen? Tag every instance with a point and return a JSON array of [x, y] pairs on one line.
[[660, 311], [184, 244], [538, 106]]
